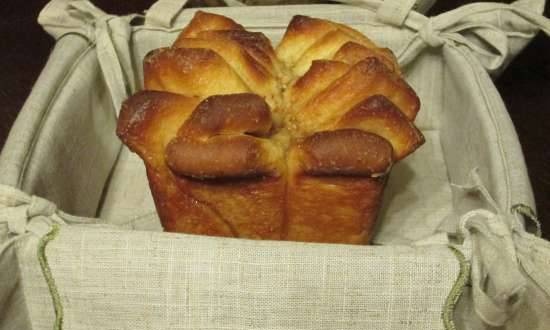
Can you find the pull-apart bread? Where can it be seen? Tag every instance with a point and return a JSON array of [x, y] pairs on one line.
[[295, 143]]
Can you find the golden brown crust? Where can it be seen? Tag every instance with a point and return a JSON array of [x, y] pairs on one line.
[[352, 52], [323, 49], [238, 156], [301, 33], [254, 207], [251, 71], [366, 78], [344, 152], [148, 120], [308, 39], [231, 150], [320, 75], [191, 72], [221, 139], [380, 116], [203, 21], [182, 212], [332, 209], [249, 55], [255, 44], [228, 114]]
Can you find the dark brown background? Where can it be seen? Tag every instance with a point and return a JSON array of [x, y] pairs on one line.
[[524, 86]]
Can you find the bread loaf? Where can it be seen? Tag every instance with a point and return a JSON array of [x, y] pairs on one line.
[[295, 143]]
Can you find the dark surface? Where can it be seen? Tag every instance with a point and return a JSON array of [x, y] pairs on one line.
[[524, 86]]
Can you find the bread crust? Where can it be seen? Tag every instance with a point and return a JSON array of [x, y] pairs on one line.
[[295, 143]]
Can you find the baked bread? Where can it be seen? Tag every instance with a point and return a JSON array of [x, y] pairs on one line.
[[294, 143]]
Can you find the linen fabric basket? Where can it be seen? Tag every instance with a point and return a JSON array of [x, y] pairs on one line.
[[81, 246]]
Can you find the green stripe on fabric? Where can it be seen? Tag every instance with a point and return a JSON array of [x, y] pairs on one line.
[[456, 290], [46, 271]]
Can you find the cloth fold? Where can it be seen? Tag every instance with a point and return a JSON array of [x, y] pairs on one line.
[[61, 17], [489, 30], [498, 286]]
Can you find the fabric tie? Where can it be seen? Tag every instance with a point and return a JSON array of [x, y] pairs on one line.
[[430, 36], [61, 17], [498, 286], [18, 210], [474, 27]]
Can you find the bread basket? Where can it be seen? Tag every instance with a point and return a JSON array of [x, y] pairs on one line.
[[80, 242]]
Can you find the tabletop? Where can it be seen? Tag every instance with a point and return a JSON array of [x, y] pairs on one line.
[[524, 86]]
